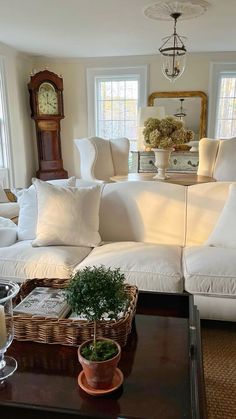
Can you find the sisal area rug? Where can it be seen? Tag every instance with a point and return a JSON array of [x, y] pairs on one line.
[[219, 359]]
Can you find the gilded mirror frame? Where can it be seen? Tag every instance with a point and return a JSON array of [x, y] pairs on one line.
[[203, 97]]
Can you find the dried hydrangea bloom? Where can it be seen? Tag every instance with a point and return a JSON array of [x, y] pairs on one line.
[[165, 133], [189, 135], [166, 143], [179, 136]]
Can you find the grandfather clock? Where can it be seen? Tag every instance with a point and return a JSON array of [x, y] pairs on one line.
[[46, 102]]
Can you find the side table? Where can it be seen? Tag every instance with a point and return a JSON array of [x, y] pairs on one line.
[[185, 179], [180, 161]]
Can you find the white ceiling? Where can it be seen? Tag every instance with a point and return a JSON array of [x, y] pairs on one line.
[[99, 28]]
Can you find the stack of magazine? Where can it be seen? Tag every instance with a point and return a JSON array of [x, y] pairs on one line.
[[45, 302]]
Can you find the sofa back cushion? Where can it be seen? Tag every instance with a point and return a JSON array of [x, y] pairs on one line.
[[151, 212], [204, 206]]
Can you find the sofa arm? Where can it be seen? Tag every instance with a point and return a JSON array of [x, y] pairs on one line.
[[8, 232]]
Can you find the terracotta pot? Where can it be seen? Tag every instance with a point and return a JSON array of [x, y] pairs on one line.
[[99, 374]]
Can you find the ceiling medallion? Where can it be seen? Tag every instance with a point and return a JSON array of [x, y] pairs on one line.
[[189, 9]]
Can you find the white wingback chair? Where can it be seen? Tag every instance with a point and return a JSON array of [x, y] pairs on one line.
[[217, 158], [100, 159]]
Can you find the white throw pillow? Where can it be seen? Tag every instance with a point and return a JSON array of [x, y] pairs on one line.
[[27, 200], [224, 233], [67, 216]]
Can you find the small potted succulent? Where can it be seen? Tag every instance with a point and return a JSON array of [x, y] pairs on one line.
[[98, 293]]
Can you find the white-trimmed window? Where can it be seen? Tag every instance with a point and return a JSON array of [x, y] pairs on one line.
[[222, 111], [226, 106], [5, 159], [114, 96]]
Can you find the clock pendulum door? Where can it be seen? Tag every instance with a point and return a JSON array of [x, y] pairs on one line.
[[49, 150]]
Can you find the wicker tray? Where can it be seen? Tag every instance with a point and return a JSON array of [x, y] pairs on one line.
[[67, 331]]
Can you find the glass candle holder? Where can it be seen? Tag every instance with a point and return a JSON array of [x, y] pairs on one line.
[[8, 291]]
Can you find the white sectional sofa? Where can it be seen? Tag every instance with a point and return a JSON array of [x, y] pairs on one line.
[[156, 233]]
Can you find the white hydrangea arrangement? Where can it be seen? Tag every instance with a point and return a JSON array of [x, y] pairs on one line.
[[165, 133]]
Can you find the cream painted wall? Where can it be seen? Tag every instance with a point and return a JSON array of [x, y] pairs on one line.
[[17, 69], [75, 124]]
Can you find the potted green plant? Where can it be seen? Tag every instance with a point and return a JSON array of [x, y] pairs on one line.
[[95, 293]]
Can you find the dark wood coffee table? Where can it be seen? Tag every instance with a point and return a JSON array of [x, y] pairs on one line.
[[161, 363]]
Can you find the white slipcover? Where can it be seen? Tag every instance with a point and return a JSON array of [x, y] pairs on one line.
[[8, 232], [225, 165], [208, 149], [204, 205], [9, 210], [217, 158], [216, 308], [101, 159], [210, 270], [21, 261], [150, 212], [151, 267]]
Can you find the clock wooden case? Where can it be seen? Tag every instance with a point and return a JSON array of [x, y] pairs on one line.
[[46, 102]]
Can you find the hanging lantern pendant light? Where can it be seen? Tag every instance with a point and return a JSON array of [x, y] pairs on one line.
[[173, 53], [181, 111]]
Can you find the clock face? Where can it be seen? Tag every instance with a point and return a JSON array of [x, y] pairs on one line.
[[47, 100]]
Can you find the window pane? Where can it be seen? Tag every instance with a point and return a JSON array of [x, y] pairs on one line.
[[104, 90], [105, 129], [118, 129], [131, 130], [226, 108], [117, 105], [118, 113], [233, 129], [131, 110], [224, 128], [226, 116], [118, 90], [133, 146], [227, 87], [234, 109], [1, 146], [132, 89], [104, 110]]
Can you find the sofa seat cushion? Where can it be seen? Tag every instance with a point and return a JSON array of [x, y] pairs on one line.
[[210, 270], [9, 210], [21, 261], [151, 267]]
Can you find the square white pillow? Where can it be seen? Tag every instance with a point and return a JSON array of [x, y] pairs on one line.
[[67, 216], [224, 233], [28, 214]]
